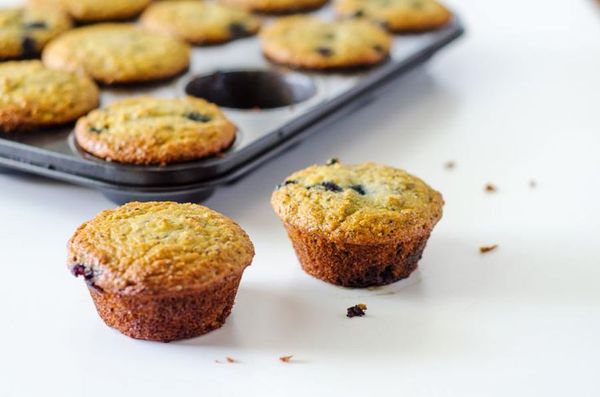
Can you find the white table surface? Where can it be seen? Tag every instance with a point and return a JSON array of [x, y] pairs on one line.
[[516, 100]]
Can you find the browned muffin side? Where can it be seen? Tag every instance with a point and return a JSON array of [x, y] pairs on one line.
[[160, 270], [357, 225]]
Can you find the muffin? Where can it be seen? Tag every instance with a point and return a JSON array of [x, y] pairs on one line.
[[308, 42], [32, 96], [277, 6], [200, 22], [161, 271], [90, 11], [24, 31], [399, 16], [357, 225], [148, 130], [118, 53]]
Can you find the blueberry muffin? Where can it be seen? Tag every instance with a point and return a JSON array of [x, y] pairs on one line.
[[32, 96], [161, 271], [86, 11], [118, 53], [357, 225], [398, 15], [198, 22], [277, 6], [25, 31], [311, 43], [147, 130]]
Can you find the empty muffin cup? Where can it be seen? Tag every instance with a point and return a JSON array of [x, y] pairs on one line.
[[252, 89]]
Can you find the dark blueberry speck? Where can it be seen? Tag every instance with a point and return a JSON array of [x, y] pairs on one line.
[[331, 186], [358, 14], [378, 48], [238, 30], [325, 51], [332, 161], [96, 130], [35, 25], [285, 183], [28, 49], [356, 311], [80, 270], [199, 117], [359, 189]]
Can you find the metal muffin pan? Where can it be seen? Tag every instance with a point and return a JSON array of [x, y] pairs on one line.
[[272, 106]]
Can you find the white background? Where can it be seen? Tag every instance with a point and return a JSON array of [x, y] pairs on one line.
[[517, 99]]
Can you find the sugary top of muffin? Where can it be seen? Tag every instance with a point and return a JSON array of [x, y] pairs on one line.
[[158, 247], [363, 204], [31, 94], [25, 30]]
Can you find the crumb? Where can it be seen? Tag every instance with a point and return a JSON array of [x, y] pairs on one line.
[[228, 359], [449, 165], [286, 359], [487, 248], [356, 310], [532, 184], [490, 188]]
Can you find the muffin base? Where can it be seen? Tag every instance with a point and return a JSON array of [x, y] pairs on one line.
[[168, 317], [356, 265]]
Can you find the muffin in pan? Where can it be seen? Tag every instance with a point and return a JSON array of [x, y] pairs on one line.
[[88, 11], [113, 53], [277, 6], [148, 130], [25, 31], [308, 42], [398, 15], [161, 271], [32, 96], [357, 225], [200, 22]]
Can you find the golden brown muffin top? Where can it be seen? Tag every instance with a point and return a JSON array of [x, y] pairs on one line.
[[398, 15], [364, 204], [96, 10], [311, 42], [117, 53], [148, 130], [24, 31], [32, 95], [200, 22], [158, 247]]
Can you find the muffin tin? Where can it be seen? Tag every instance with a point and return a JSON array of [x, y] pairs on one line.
[[274, 107]]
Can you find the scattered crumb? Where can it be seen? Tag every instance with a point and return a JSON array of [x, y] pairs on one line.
[[356, 310], [228, 359], [449, 165], [532, 184], [286, 359], [490, 188], [487, 248]]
